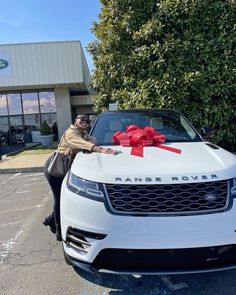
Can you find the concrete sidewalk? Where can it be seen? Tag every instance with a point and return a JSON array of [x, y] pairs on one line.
[[23, 163]]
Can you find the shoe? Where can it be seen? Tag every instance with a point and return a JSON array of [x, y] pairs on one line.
[[49, 221], [58, 233]]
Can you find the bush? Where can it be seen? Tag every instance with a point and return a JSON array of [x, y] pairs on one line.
[[45, 129], [170, 53]]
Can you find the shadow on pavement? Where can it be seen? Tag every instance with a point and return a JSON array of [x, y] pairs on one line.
[[122, 284], [222, 282]]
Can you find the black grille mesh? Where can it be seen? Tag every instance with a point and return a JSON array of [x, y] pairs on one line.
[[168, 198]]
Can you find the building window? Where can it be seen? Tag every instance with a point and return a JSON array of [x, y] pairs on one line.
[[30, 102], [33, 121], [3, 105], [4, 124], [14, 103], [4, 128], [16, 130], [49, 118], [22, 112], [47, 102]]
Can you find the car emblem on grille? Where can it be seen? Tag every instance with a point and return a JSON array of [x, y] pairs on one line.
[[210, 197]]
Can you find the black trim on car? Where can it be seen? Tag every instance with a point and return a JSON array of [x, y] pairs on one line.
[[160, 261]]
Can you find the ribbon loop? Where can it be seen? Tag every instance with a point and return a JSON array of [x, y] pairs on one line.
[[137, 138]]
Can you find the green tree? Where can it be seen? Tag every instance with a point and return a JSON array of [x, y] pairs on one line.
[[169, 53]]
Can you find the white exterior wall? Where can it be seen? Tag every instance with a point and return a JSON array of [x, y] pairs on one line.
[[44, 64], [64, 119], [81, 100]]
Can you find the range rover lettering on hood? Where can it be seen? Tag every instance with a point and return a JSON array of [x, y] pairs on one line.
[[172, 178]]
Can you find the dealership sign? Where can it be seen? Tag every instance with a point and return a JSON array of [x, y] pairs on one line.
[[3, 63]]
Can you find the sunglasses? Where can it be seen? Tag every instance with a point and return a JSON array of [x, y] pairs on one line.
[[85, 120]]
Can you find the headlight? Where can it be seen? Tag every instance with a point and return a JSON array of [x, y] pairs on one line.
[[233, 187], [85, 188]]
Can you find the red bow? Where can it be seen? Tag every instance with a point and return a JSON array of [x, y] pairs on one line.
[[137, 138]]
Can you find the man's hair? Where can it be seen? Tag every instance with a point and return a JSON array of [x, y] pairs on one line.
[[83, 117]]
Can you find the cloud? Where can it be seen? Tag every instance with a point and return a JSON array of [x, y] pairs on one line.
[[3, 101], [30, 106], [47, 102]]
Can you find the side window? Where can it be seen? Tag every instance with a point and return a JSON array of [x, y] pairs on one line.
[[187, 128]]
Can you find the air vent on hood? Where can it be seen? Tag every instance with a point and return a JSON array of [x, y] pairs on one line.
[[213, 146]]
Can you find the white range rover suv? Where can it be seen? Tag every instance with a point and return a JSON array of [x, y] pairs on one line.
[[172, 210]]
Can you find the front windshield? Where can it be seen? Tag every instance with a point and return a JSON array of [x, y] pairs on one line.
[[170, 123]]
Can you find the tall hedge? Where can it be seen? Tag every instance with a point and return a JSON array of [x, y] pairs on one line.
[[169, 53]]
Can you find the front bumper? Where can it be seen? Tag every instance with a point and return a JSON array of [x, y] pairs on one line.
[[159, 262]]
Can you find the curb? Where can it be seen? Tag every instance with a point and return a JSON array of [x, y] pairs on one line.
[[21, 170], [4, 157]]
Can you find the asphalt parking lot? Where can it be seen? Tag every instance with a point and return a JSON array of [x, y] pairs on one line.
[[31, 260]]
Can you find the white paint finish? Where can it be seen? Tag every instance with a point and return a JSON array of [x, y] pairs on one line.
[[47, 63], [196, 163]]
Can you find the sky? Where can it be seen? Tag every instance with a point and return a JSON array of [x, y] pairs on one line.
[[23, 21]]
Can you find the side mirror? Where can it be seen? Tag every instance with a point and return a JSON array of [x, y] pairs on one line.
[[207, 132]]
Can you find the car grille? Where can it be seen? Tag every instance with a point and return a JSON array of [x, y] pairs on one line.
[[168, 198]]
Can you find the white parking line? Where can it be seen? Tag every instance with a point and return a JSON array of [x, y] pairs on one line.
[[10, 178], [21, 209], [30, 175], [24, 199], [33, 179], [28, 184], [6, 246], [11, 223]]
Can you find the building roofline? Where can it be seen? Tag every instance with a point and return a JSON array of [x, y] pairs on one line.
[[38, 42]]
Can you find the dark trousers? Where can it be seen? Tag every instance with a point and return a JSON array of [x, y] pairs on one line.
[[55, 184]]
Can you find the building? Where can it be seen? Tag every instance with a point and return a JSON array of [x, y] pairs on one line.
[[41, 81]]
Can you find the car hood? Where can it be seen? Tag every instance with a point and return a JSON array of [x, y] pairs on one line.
[[198, 162]]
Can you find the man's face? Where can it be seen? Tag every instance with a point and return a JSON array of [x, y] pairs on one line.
[[82, 123]]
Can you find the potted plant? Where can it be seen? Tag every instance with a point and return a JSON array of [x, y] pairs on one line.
[[46, 137]]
